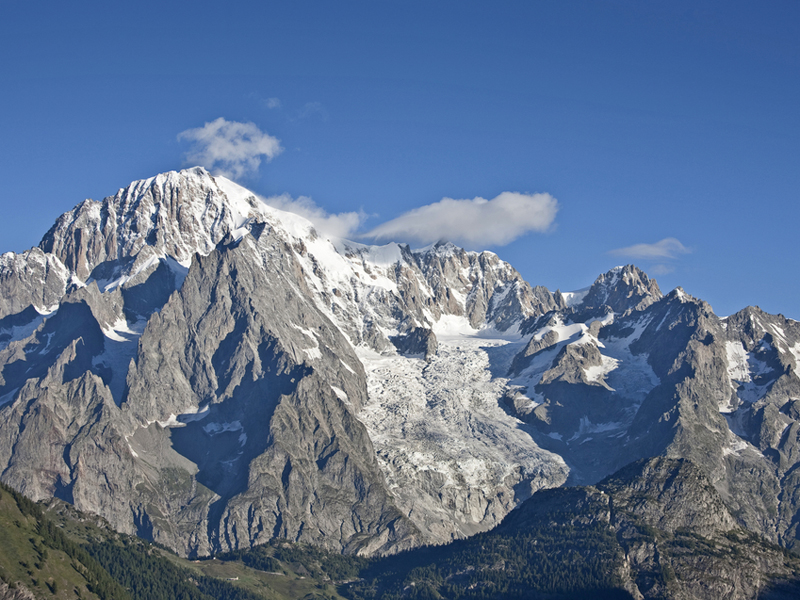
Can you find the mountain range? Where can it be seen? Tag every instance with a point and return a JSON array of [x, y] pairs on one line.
[[211, 373]]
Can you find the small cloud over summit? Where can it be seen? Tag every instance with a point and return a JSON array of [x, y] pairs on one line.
[[666, 249], [662, 254], [472, 223], [230, 148]]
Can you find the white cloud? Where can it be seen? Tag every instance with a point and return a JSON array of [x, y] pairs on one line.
[[472, 223], [230, 148], [668, 248], [660, 269], [312, 109], [273, 103], [343, 225]]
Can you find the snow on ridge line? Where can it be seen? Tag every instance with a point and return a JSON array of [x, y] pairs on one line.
[[795, 350], [107, 286], [245, 206], [244, 203], [575, 297], [238, 199], [385, 255], [191, 414], [455, 327]]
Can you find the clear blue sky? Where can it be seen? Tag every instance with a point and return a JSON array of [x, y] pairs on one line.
[[645, 121]]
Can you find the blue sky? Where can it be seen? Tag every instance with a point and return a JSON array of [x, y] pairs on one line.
[[667, 134]]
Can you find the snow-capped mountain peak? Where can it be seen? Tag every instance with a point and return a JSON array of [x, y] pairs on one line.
[[176, 213]]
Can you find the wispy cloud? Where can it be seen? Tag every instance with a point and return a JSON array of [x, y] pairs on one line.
[[472, 223], [230, 148], [312, 109], [272, 103], [343, 225], [661, 269], [666, 249]]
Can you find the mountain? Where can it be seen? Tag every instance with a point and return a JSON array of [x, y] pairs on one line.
[[209, 372], [198, 380], [672, 379]]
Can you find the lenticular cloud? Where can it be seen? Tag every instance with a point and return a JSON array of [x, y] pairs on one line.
[[230, 148], [472, 223]]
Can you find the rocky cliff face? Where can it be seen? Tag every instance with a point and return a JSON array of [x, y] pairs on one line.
[[19, 592], [674, 534], [655, 529], [668, 377], [211, 372], [31, 282]]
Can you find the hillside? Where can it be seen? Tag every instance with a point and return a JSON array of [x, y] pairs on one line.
[[54, 551], [655, 529]]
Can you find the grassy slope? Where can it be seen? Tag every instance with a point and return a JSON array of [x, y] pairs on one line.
[[273, 586], [27, 559]]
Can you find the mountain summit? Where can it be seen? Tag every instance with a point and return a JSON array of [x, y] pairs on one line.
[[209, 372], [623, 290]]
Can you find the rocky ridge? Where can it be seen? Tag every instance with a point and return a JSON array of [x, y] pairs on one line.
[[655, 529]]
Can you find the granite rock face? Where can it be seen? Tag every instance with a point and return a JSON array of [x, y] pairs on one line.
[[417, 341], [19, 592], [623, 290], [30, 283], [177, 214]]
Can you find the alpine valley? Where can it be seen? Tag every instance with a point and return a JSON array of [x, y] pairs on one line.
[[208, 372]]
